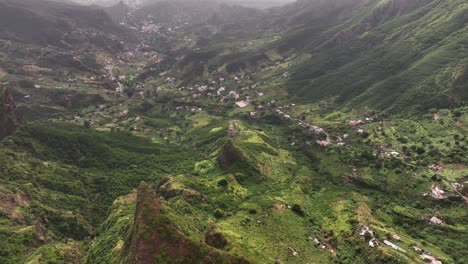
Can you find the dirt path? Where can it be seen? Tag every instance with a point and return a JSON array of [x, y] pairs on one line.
[[459, 193], [112, 77], [324, 132]]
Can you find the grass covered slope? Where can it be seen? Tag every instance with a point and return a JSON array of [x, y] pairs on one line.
[[237, 203], [58, 182], [204, 144], [380, 54], [237, 191], [389, 54], [151, 235], [56, 24], [9, 118]]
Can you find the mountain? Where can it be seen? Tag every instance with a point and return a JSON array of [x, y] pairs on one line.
[[152, 227], [208, 132], [43, 44], [53, 196], [139, 3], [51, 23], [195, 12], [377, 54], [106, 3], [9, 118], [389, 53], [118, 11]]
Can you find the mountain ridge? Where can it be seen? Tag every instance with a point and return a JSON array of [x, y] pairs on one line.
[[204, 132], [9, 118]]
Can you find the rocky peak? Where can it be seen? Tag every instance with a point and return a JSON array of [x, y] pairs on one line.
[[9, 118], [229, 155], [154, 236]]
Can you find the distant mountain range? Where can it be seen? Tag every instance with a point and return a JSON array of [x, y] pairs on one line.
[[353, 51], [138, 3], [381, 54], [50, 23], [132, 3]]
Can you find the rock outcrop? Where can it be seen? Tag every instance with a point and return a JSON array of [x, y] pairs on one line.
[[154, 239], [168, 189], [229, 155], [214, 237], [9, 118]]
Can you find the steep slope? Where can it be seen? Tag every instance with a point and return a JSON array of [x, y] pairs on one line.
[[118, 11], [9, 118], [277, 203], [47, 38], [209, 16], [56, 24], [273, 147], [380, 54], [58, 181], [152, 237], [388, 54]]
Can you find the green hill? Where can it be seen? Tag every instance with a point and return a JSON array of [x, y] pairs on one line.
[[376, 54], [202, 132], [388, 54], [52, 23]]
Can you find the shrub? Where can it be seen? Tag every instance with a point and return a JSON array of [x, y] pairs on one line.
[[218, 213], [223, 183], [252, 211], [298, 210], [457, 113], [402, 139], [26, 84], [420, 150]]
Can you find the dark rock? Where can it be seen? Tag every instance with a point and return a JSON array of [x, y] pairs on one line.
[[229, 155], [215, 238], [9, 118], [167, 190], [153, 236]]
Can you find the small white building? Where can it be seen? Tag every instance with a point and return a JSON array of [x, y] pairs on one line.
[[242, 104], [234, 95], [373, 242], [436, 221], [390, 244], [323, 143], [437, 193], [364, 230]]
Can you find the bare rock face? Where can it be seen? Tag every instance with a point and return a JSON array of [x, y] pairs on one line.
[[167, 189], [9, 118], [155, 237], [11, 203], [229, 155], [215, 238]]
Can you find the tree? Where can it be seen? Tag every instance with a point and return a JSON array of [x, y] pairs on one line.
[[218, 213], [298, 210]]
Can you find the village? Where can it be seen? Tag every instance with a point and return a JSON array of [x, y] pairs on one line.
[[306, 134], [243, 95]]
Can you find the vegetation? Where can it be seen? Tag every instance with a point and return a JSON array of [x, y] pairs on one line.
[[133, 149]]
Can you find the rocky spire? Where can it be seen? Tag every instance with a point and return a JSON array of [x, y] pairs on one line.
[[9, 118]]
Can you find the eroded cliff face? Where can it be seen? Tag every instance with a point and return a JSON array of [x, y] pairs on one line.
[[229, 155], [9, 118], [154, 238]]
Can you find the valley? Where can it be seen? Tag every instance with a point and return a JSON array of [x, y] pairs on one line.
[[185, 132]]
